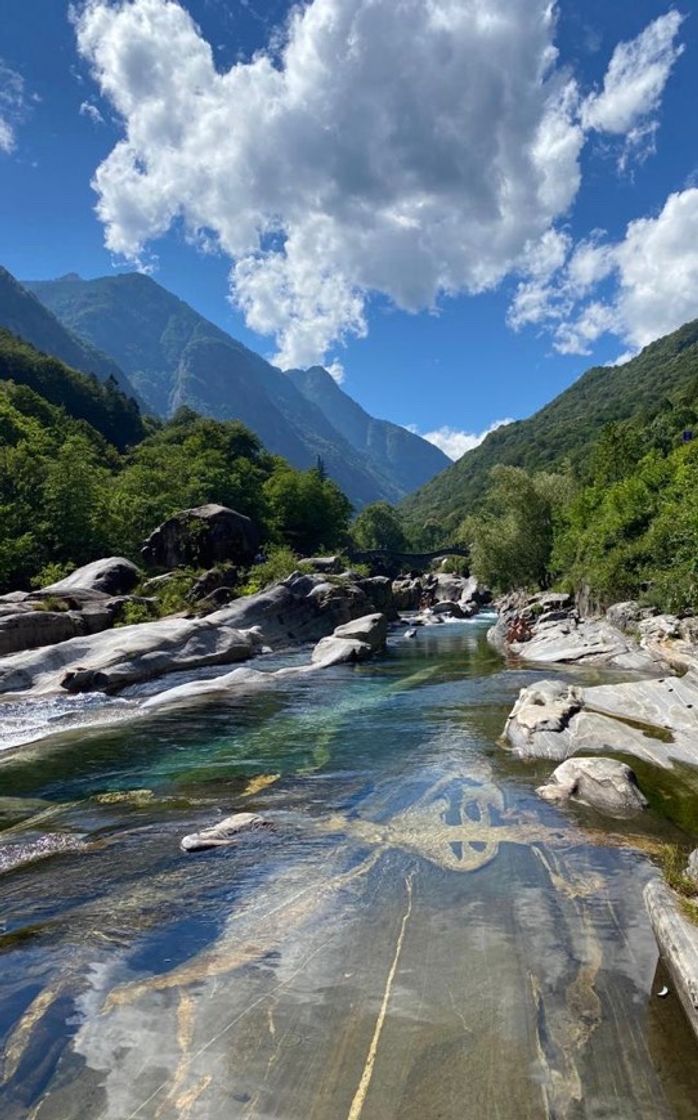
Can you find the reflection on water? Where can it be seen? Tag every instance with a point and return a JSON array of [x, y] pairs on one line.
[[416, 937]]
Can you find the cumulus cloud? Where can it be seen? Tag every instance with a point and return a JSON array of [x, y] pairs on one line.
[[13, 105], [633, 87], [455, 443], [638, 288], [328, 171]]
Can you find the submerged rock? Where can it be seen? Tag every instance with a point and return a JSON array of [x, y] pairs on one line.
[[224, 832], [677, 938], [603, 783], [19, 854]]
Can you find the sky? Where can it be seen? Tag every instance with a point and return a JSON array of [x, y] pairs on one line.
[[457, 206]]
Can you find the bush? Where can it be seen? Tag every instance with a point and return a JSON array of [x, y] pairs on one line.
[[280, 563]]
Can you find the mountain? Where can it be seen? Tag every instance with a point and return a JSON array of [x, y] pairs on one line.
[[80, 396], [405, 458], [174, 357], [563, 430], [26, 316]]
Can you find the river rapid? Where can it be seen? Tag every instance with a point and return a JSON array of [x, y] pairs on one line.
[[416, 937]]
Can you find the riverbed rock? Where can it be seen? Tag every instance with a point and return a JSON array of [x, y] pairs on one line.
[[203, 537], [540, 717], [692, 866], [355, 641], [454, 610], [677, 938], [407, 594], [379, 592], [113, 659], [223, 832], [302, 608], [603, 783], [326, 565], [114, 575], [655, 720]]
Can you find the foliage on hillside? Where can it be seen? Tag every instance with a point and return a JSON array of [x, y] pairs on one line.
[[625, 527], [100, 403], [561, 434], [68, 496]]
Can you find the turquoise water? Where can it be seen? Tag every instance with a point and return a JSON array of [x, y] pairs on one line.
[[416, 936]]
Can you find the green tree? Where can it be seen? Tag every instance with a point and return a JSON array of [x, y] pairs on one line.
[[378, 526], [308, 512]]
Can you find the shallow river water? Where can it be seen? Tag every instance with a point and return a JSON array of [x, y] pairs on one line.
[[416, 937]]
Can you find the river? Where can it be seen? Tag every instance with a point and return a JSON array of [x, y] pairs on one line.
[[416, 936]]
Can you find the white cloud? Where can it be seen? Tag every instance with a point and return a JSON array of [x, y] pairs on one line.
[[637, 289], [333, 170], [633, 88], [454, 443], [329, 168], [13, 104], [90, 110]]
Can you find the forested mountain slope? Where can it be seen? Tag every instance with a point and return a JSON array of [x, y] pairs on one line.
[[564, 430]]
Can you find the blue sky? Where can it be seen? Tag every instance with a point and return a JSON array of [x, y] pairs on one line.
[[408, 221]]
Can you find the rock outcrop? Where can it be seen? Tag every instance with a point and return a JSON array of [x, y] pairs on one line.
[[112, 576], [654, 719], [677, 938], [603, 783], [547, 629], [302, 608], [111, 660], [203, 537]]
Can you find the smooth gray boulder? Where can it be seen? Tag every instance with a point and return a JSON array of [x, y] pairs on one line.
[[372, 629], [355, 641], [407, 594], [692, 866], [114, 575], [603, 783], [302, 608], [203, 537], [223, 833], [27, 626], [677, 938], [540, 717], [115, 658], [335, 651]]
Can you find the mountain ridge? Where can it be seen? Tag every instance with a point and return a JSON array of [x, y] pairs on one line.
[[174, 356]]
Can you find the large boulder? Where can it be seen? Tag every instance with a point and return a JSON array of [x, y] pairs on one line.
[[115, 575], [29, 627], [354, 641], [302, 608], [541, 713], [379, 592], [407, 594], [202, 537], [113, 659], [603, 783]]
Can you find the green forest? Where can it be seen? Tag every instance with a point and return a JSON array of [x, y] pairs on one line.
[[83, 475]]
